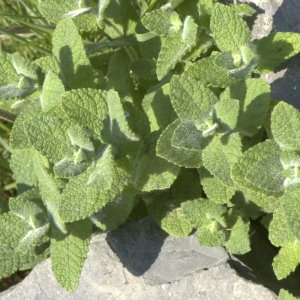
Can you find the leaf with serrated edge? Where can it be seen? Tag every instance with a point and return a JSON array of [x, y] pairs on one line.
[[191, 100], [285, 126], [260, 169], [220, 156], [254, 98], [175, 46], [166, 212], [87, 107], [286, 261], [68, 253], [276, 48], [188, 158], [213, 70], [229, 30]]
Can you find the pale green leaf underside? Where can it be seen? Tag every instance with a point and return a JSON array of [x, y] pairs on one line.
[[229, 30], [188, 158], [285, 126], [68, 253]]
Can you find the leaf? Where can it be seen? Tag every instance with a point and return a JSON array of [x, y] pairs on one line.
[[286, 260], [29, 207], [68, 253], [276, 48], [151, 172], [99, 184], [52, 91], [238, 242], [22, 164], [260, 169], [165, 211], [213, 70], [23, 67], [9, 261], [227, 113], [175, 46], [216, 190], [115, 213], [86, 107], [189, 158], [191, 100], [68, 49], [285, 295], [254, 97], [49, 187], [211, 234], [117, 129], [118, 75], [229, 30], [285, 126], [220, 156], [162, 22], [8, 74], [13, 229], [198, 211], [157, 105]]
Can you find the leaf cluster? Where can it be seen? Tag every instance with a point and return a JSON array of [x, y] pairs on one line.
[[167, 109]]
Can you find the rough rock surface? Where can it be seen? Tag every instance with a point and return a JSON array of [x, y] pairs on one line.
[[145, 264]]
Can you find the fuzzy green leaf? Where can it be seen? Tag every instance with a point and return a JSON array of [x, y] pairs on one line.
[[8, 74], [286, 260], [151, 171], [181, 156], [165, 211], [285, 126], [87, 107], [220, 156], [254, 98], [229, 30], [276, 48], [175, 46], [68, 253], [213, 70], [13, 229], [52, 91], [260, 169], [9, 261], [68, 49], [285, 295], [157, 105], [191, 100]]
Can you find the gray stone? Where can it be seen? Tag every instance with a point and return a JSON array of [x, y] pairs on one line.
[[106, 275]]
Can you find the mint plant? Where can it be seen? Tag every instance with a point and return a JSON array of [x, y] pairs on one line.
[[153, 102]]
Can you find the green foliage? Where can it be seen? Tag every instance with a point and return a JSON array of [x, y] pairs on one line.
[[148, 104]]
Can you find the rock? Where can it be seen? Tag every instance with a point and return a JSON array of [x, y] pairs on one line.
[[146, 265]]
